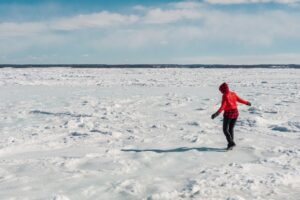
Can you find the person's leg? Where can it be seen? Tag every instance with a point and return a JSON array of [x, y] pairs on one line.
[[231, 129], [226, 122]]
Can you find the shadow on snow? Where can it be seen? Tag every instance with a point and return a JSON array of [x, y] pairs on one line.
[[177, 150]]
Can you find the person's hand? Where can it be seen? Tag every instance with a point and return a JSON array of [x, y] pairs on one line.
[[214, 115], [248, 104]]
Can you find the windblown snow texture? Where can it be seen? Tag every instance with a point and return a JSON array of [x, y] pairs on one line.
[[147, 134]]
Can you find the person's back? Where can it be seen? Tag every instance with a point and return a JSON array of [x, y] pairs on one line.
[[229, 101]]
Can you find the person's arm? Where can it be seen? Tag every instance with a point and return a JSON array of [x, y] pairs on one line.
[[223, 104], [240, 100]]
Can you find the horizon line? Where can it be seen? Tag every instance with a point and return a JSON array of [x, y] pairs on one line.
[[151, 65]]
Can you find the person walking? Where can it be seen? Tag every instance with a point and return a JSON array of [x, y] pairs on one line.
[[231, 113]]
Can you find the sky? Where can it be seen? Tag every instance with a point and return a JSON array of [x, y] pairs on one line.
[[149, 32]]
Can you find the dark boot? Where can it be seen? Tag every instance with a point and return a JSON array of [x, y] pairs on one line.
[[230, 146]]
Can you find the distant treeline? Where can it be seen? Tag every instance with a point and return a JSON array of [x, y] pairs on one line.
[[149, 66]]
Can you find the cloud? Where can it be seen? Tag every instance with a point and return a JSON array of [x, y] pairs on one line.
[[173, 27], [139, 8], [27, 41], [186, 5], [249, 30], [21, 29], [133, 39], [251, 1], [95, 20], [260, 28], [283, 58], [159, 16]]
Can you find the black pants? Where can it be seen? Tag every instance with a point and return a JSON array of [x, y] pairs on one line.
[[228, 126]]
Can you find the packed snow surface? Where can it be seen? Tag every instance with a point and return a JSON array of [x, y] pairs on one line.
[[147, 134]]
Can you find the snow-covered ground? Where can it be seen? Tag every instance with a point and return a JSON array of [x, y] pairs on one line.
[[147, 134]]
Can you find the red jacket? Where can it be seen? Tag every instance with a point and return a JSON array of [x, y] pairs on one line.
[[229, 99]]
